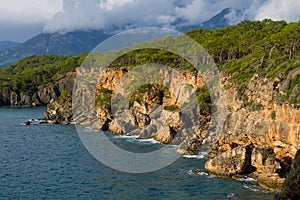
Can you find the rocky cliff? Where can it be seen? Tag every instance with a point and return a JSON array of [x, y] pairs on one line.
[[261, 135], [291, 187], [154, 111], [42, 95]]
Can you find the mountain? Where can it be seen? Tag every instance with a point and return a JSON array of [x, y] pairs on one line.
[[74, 43], [228, 16], [7, 45]]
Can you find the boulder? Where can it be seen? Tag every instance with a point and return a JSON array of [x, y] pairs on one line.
[[115, 128], [164, 135], [231, 162], [59, 110], [267, 168]]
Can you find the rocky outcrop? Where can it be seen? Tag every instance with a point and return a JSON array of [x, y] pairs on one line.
[[154, 110], [42, 95], [231, 162], [291, 187], [267, 168], [257, 117], [59, 110], [260, 137]]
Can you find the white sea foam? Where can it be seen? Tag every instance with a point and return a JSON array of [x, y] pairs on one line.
[[198, 156], [246, 179], [127, 136], [256, 188], [193, 156], [191, 172], [150, 141], [135, 139]]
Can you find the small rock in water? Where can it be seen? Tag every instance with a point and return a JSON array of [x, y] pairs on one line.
[[27, 122], [43, 121], [198, 171], [55, 122]]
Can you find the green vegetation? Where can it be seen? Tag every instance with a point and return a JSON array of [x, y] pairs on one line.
[[273, 115], [204, 100], [151, 90], [267, 48], [64, 94], [262, 47], [27, 74], [171, 107], [103, 97], [148, 55], [294, 85]]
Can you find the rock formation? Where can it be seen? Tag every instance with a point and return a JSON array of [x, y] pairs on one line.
[[291, 187], [155, 111], [260, 136], [60, 110], [42, 95], [257, 118]]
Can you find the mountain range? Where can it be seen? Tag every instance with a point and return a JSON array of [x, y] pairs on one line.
[[77, 42], [4, 45]]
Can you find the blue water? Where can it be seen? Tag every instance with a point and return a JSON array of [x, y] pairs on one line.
[[50, 162]]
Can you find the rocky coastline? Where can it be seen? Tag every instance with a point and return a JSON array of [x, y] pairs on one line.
[[43, 94], [254, 141]]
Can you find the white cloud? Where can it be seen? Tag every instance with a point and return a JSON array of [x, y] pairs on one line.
[[280, 10], [110, 4], [68, 15], [105, 14], [28, 11]]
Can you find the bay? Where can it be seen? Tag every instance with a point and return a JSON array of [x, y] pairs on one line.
[[50, 162]]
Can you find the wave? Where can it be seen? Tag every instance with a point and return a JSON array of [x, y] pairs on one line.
[[245, 179], [127, 136], [199, 156], [256, 188], [201, 173], [150, 141], [136, 139]]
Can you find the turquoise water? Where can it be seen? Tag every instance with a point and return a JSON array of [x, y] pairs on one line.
[[50, 162]]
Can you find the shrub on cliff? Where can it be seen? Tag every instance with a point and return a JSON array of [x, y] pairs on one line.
[[27, 74]]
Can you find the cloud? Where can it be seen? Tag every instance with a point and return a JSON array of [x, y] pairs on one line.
[[112, 14], [69, 15], [287, 10], [28, 11]]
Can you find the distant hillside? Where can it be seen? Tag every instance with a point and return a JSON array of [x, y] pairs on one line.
[[72, 43], [75, 43], [267, 48], [4, 45]]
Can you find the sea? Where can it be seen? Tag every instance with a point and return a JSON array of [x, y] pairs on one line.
[[47, 161]]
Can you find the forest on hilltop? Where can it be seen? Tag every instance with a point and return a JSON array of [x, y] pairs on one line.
[[267, 48]]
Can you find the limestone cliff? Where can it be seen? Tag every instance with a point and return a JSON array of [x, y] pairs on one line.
[[154, 111], [42, 95], [261, 134]]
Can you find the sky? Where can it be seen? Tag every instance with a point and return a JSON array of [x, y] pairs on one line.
[[22, 19]]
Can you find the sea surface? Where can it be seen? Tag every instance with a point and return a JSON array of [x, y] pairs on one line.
[[50, 162]]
